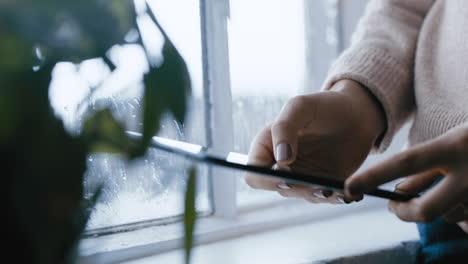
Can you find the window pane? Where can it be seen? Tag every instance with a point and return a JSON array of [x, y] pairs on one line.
[[152, 187], [267, 67]]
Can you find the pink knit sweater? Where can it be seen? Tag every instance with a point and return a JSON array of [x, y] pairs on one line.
[[413, 56]]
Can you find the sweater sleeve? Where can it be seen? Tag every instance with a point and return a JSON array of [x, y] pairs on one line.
[[381, 58]]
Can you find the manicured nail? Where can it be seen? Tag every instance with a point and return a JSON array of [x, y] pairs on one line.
[[322, 193], [284, 186], [283, 152], [398, 190], [340, 199], [283, 167], [343, 199], [396, 186]]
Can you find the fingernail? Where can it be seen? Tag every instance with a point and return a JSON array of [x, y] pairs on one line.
[[283, 186], [322, 193], [283, 152], [340, 199], [283, 167], [390, 208], [396, 186]]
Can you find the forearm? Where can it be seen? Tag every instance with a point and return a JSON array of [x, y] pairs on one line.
[[381, 58]]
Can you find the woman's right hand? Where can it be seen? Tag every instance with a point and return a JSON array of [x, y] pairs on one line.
[[328, 133]]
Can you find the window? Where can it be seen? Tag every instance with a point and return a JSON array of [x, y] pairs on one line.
[[153, 187], [254, 66], [267, 59], [246, 58]]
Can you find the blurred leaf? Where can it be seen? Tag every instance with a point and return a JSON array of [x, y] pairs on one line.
[[43, 164], [166, 89], [103, 133], [82, 218], [190, 213], [154, 104], [67, 29], [15, 54], [45, 186], [174, 76]]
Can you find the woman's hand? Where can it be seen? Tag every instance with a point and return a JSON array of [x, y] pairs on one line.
[[328, 133], [424, 164]]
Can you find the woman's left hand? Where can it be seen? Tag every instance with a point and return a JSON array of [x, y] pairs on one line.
[[424, 164]]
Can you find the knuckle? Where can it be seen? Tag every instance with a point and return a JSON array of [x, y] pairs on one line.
[[300, 101], [281, 125]]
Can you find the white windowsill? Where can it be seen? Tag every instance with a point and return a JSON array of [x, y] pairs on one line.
[[287, 234], [373, 235]]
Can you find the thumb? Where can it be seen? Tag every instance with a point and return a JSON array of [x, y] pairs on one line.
[[284, 137], [287, 128]]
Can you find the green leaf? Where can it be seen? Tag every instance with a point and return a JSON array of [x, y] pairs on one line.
[[175, 77], [16, 54], [166, 89], [190, 213], [103, 133], [81, 221], [154, 104], [69, 30], [45, 175]]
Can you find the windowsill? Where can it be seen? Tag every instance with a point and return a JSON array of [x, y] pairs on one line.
[[287, 234], [368, 237]]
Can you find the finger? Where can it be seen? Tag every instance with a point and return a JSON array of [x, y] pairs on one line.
[[435, 202], [261, 154], [413, 184], [424, 157], [334, 200], [297, 191], [301, 191], [352, 198], [285, 131], [314, 194], [463, 225], [315, 200], [417, 183]]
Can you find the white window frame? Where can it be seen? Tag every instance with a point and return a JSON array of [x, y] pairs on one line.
[[214, 15], [227, 220]]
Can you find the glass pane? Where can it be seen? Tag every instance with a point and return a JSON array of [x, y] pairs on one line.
[[152, 187], [266, 41]]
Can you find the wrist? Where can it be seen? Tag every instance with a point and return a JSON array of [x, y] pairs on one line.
[[368, 110]]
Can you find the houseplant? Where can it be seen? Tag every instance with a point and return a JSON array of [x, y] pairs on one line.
[[43, 163]]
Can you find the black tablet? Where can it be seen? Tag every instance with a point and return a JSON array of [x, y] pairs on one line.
[[201, 154]]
